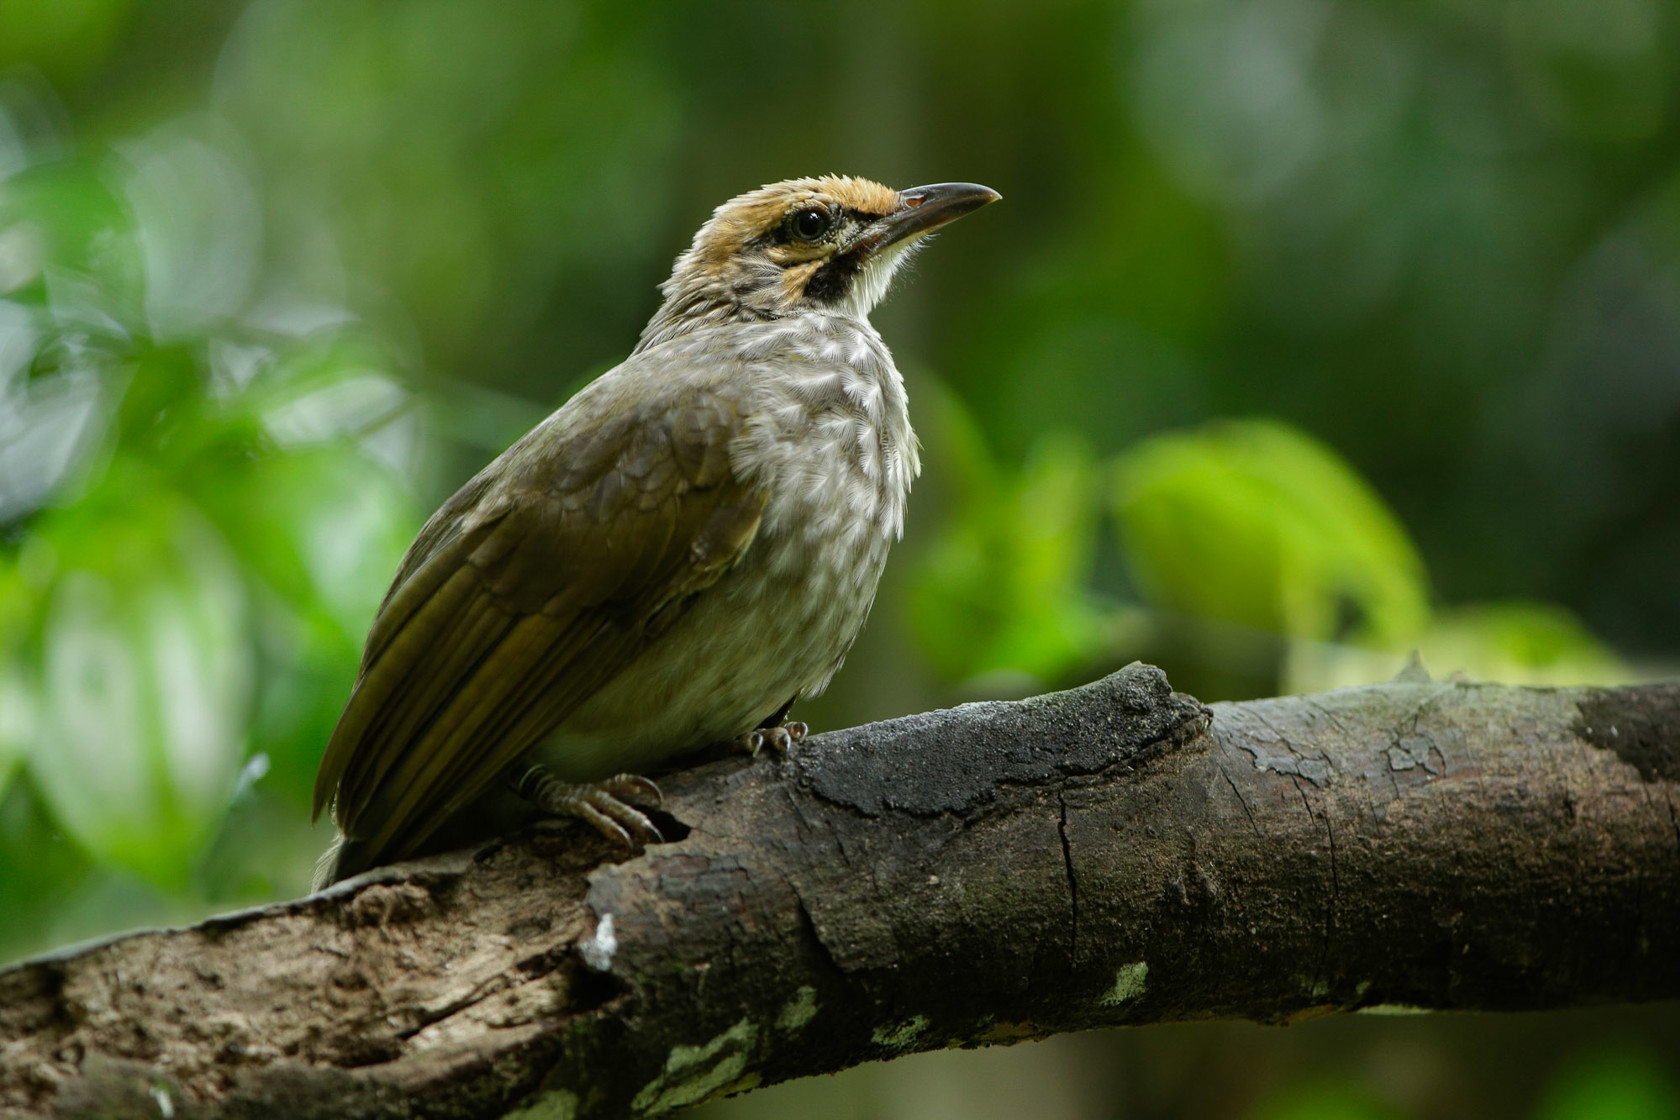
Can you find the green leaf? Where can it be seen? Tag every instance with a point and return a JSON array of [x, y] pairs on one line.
[[19, 704], [86, 257], [1003, 588], [1255, 523], [324, 526], [146, 678], [18, 717]]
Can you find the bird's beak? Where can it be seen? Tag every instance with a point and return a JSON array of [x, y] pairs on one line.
[[921, 210]]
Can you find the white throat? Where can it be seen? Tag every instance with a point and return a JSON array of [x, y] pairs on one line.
[[870, 286]]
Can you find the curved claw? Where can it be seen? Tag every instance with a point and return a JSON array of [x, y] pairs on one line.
[[613, 818], [778, 738], [599, 803], [634, 787], [604, 824]]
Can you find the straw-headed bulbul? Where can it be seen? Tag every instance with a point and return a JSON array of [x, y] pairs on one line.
[[689, 544]]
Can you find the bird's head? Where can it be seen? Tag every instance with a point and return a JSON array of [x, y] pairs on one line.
[[829, 244]]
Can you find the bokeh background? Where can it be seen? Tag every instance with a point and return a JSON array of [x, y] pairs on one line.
[[1309, 333]]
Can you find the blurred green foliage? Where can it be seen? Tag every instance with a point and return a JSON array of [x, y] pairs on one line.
[[1005, 587], [1623, 1081], [1309, 335], [1324, 1102], [1254, 523], [202, 520], [1239, 536]]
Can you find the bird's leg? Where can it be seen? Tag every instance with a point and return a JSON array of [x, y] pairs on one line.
[[604, 804], [778, 733]]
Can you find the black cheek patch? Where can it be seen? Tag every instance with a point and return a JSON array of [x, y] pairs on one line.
[[830, 283]]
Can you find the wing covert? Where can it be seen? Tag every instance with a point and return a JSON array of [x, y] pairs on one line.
[[530, 589]]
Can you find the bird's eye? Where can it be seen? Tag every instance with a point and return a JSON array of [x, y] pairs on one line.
[[810, 223]]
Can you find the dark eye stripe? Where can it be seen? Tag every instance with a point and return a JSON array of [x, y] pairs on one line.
[[781, 234]]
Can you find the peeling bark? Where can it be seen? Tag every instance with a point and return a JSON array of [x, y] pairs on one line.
[[1116, 854]]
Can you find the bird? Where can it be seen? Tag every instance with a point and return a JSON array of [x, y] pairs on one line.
[[687, 546]]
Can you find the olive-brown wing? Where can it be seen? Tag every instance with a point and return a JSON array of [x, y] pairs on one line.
[[536, 588]]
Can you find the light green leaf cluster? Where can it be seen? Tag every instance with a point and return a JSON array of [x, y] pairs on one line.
[[1244, 530], [1512, 641], [203, 508], [146, 672], [1004, 588], [1255, 523]]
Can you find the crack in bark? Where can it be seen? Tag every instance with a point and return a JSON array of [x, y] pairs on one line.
[[1305, 802], [1072, 882], [1241, 800], [808, 922], [1335, 720], [1673, 818], [1335, 899], [1335, 888]]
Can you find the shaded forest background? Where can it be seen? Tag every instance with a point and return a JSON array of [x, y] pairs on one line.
[[1308, 334]]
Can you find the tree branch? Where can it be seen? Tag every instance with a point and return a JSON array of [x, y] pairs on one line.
[[986, 874]]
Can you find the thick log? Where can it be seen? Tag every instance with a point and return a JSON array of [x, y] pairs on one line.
[[1115, 854]]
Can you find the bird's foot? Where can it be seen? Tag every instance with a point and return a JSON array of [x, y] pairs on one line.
[[604, 804], [778, 737]]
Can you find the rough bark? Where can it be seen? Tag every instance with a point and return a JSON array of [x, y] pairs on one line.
[[1116, 854]]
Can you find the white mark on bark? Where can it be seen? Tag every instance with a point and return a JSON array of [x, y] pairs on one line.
[[598, 948]]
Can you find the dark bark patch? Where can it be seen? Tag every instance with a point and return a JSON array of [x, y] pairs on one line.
[[894, 766], [1641, 725]]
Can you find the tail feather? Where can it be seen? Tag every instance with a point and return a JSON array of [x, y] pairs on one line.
[[343, 858], [326, 868]]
